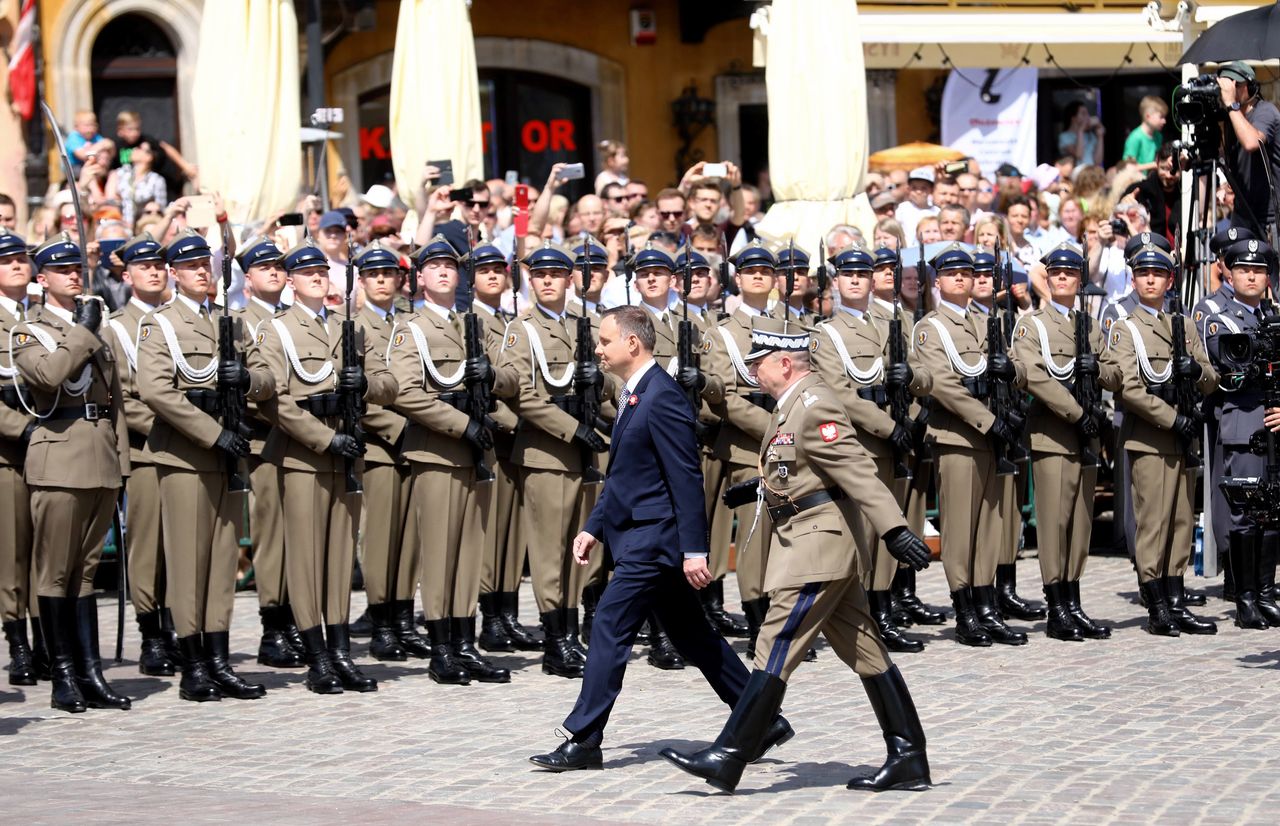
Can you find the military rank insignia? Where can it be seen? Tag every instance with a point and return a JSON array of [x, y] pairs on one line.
[[399, 339], [1022, 331], [262, 336], [1199, 316], [1213, 328], [706, 345], [829, 431], [922, 337], [511, 340], [21, 338], [145, 334], [1106, 324], [783, 439], [813, 344], [1115, 338]]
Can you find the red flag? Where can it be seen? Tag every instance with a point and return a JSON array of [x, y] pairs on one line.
[[22, 66]]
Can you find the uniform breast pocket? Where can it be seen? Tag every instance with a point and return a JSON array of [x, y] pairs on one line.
[[820, 544], [313, 359], [780, 463]]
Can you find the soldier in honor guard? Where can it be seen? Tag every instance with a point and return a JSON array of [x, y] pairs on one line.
[[302, 348], [850, 352], [817, 483], [1157, 438], [447, 450], [552, 448], [949, 344], [792, 307], [179, 376], [262, 263], [76, 457], [1063, 434], [148, 280], [1239, 415], [16, 426]]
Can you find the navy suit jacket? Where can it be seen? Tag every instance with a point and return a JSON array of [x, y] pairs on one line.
[[652, 508]]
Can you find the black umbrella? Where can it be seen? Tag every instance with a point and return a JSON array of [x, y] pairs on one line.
[[1249, 35]]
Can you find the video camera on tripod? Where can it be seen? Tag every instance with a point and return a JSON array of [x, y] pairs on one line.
[[1253, 358], [1197, 106]]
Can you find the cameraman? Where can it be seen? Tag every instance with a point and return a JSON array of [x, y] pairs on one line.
[[1255, 124]]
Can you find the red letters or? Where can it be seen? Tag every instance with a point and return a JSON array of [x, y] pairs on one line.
[[562, 135], [533, 135], [371, 143]]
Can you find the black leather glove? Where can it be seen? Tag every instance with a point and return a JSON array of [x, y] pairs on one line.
[[88, 314], [586, 374], [348, 447], [1088, 425], [691, 378], [1187, 368], [1001, 432], [898, 375], [28, 430], [478, 371], [907, 548], [901, 440], [1087, 365], [352, 380], [1186, 427], [232, 443], [588, 437], [232, 374], [478, 435], [1000, 367]]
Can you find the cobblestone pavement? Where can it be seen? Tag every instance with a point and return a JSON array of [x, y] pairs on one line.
[[1137, 729]]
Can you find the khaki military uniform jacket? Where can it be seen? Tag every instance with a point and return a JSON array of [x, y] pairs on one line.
[[744, 422], [80, 370], [495, 332], [299, 440], [383, 426], [1054, 413], [254, 315], [183, 435], [13, 417], [810, 447], [1146, 427], [125, 328]]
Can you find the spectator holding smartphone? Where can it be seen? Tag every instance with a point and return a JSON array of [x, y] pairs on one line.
[[1082, 135]]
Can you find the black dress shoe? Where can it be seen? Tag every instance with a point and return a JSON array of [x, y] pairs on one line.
[[662, 652], [570, 756], [21, 668], [1007, 599], [230, 684], [291, 633], [362, 626], [349, 674]]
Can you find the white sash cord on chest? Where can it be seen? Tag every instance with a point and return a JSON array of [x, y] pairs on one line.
[[72, 387], [872, 375], [127, 343], [180, 363], [1149, 375], [429, 366], [291, 353], [735, 356], [953, 355], [1055, 370], [539, 357]]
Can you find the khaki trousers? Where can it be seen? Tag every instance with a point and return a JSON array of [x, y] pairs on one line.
[[389, 565], [146, 539], [753, 556], [450, 536], [67, 527], [200, 520], [1012, 492], [1064, 515], [320, 524], [838, 609], [509, 562], [1163, 507], [15, 545], [265, 517], [869, 544], [719, 518], [595, 571], [496, 501], [969, 507], [549, 514]]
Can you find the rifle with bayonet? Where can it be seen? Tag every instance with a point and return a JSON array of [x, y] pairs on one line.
[[999, 392], [351, 402], [790, 280], [588, 388], [231, 400], [899, 395], [479, 391], [1085, 388], [822, 277], [686, 355]]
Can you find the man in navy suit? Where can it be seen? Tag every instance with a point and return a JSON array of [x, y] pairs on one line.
[[651, 515]]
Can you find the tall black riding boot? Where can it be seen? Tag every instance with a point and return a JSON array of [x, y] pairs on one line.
[[170, 636], [1060, 625], [274, 649], [352, 678], [410, 640], [443, 667], [558, 658], [741, 738], [384, 643], [1186, 621], [1265, 597], [984, 600], [1159, 621], [1245, 549], [97, 692], [321, 678], [196, 684], [1228, 578], [217, 647], [907, 767], [571, 632], [153, 659], [21, 669], [968, 630], [522, 638], [463, 641], [904, 593], [662, 653], [1008, 601], [58, 626], [754, 610], [40, 660], [590, 599], [493, 636], [1089, 629], [892, 635], [725, 624]]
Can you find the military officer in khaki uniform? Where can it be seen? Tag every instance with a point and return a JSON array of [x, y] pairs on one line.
[[179, 377], [16, 424], [1156, 438], [850, 352], [443, 446], [76, 458], [817, 483], [552, 448], [951, 347], [792, 307], [1044, 345], [302, 348], [145, 273]]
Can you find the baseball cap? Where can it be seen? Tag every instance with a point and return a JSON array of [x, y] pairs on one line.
[[921, 173], [1237, 70], [378, 196]]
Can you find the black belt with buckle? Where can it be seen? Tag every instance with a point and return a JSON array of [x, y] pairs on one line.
[[89, 412], [791, 507], [322, 405], [977, 386]]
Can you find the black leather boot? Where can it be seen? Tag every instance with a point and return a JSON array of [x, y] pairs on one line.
[[1195, 599], [40, 660], [362, 626], [907, 767], [984, 601], [1265, 596], [892, 635], [1159, 621], [196, 684], [754, 610], [1060, 625], [904, 593], [21, 670], [321, 678], [571, 633], [443, 667], [274, 649], [291, 633], [558, 658], [725, 624], [352, 678], [1187, 622], [411, 641], [1089, 629], [523, 639], [1228, 578], [493, 636], [968, 629], [590, 599], [97, 692], [58, 627], [1007, 599], [1244, 551], [463, 641], [742, 737], [153, 659], [384, 643], [170, 636], [217, 646], [662, 653]]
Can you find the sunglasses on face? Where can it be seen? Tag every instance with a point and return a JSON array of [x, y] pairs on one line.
[[677, 214], [474, 204], [617, 199]]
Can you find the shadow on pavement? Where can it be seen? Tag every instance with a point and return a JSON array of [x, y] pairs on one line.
[[1263, 659], [12, 725], [140, 688]]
